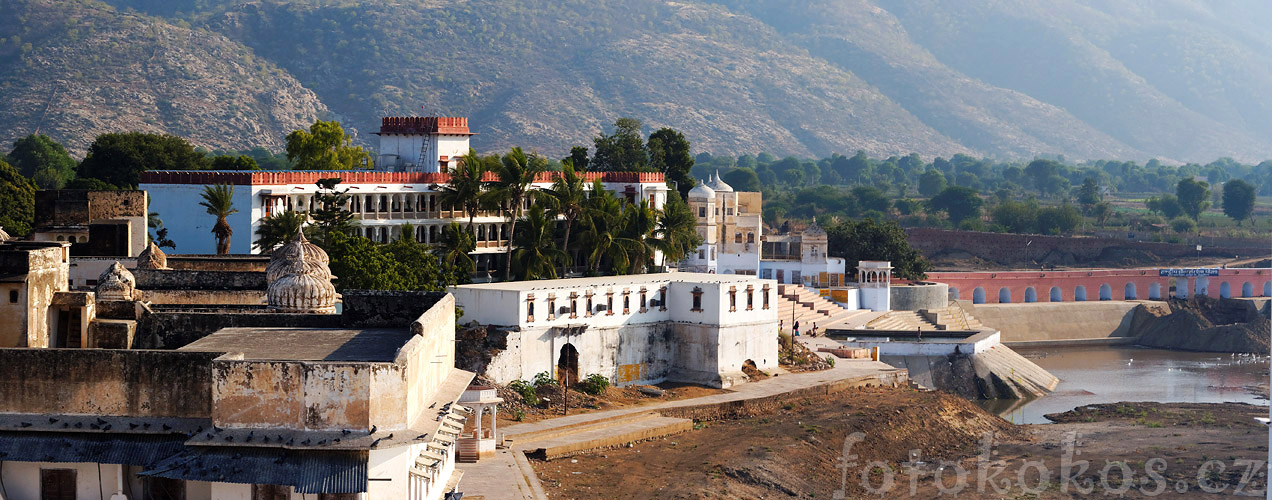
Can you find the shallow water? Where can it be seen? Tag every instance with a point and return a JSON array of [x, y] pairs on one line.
[[1090, 375]]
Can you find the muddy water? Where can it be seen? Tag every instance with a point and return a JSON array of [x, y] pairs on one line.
[[1091, 375]]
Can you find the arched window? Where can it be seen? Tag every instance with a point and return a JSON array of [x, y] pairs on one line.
[[1079, 294], [1056, 295], [978, 295], [1031, 295], [1106, 292], [1225, 290], [1129, 292], [1004, 295]]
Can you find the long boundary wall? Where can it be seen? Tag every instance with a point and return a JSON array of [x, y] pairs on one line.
[[1108, 321]]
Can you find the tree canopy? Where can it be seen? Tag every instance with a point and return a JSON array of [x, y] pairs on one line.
[[325, 146], [958, 202], [119, 158], [669, 154], [1238, 200], [42, 160], [1193, 197], [621, 151], [866, 239], [17, 201]]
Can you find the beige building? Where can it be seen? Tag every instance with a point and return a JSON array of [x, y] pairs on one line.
[[35, 309], [732, 228]]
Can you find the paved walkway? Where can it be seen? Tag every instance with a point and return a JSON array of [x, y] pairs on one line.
[[501, 477]]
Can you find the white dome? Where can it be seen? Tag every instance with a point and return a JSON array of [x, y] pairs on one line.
[[718, 184], [701, 191], [3, 235], [304, 287], [115, 283]]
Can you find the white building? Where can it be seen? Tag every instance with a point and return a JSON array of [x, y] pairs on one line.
[[381, 201], [642, 329], [802, 258]]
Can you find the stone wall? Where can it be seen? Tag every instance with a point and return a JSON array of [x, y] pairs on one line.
[[385, 308], [195, 262], [174, 329], [919, 296], [1060, 321], [169, 279], [1029, 248], [124, 382]]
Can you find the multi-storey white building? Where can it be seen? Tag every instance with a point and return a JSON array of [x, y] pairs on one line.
[[415, 153], [733, 241]]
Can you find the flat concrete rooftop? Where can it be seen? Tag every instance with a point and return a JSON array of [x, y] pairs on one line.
[[306, 344], [598, 281]]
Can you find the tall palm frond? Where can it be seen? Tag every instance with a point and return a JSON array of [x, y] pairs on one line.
[[565, 199], [218, 199], [511, 191], [276, 229], [676, 235], [463, 190], [455, 246]]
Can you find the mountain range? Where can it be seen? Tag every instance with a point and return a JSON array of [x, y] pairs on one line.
[[1178, 80]]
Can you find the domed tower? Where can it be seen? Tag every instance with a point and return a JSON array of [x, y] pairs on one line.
[[702, 201], [302, 282], [116, 283], [152, 258]]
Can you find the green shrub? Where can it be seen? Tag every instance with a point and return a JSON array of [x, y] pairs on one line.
[[526, 391], [594, 384], [830, 360], [544, 378]]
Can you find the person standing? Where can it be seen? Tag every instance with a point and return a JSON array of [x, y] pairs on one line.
[[797, 328]]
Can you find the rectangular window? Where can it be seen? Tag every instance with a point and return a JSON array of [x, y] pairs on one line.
[[750, 298], [529, 308], [765, 293], [643, 303], [609, 304], [728, 211], [551, 308], [733, 300], [158, 488], [662, 299], [588, 311], [13, 296], [57, 484], [737, 237], [702, 212], [702, 255], [574, 305], [697, 299], [627, 302]]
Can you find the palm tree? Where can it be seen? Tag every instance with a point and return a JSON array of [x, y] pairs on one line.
[[219, 200], [639, 223], [565, 200], [277, 229], [511, 191], [676, 235], [601, 221], [455, 247], [536, 251], [464, 188]]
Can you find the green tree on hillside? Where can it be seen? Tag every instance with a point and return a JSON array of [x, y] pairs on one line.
[[931, 182], [325, 147], [742, 179], [1194, 197], [119, 159], [42, 160], [17, 202], [669, 154], [958, 202], [621, 151], [1238, 200]]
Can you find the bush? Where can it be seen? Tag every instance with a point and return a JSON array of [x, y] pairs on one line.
[[830, 360], [526, 391], [544, 378], [594, 384], [1183, 225]]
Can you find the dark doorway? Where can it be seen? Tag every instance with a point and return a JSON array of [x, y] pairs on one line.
[[159, 488], [568, 365], [57, 484]]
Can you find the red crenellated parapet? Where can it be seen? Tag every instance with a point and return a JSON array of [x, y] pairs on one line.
[[276, 178], [424, 125]]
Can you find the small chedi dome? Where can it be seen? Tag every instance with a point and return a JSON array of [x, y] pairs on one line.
[[701, 191], [4, 236], [152, 258], [280, 259], [305, 284], [116, 283]]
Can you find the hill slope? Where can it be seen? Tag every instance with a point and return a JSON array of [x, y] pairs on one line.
[[75, 69], [1127, 79]]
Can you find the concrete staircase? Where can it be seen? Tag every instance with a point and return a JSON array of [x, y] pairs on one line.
[[902, 321], [797, 303], [557, 442], [952, 318]]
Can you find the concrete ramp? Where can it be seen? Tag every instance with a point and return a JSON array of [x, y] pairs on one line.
[[995, 373], [564, 441]]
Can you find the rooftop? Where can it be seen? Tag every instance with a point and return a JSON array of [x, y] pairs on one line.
[[306, 344], [599, 281]]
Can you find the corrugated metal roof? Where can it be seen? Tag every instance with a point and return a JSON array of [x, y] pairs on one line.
[[116, 448], [308, 471]]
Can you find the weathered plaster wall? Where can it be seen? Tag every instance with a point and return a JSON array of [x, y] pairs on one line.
[[233, 262], [204, 297], [385, 308], [28, 320], [1059, 320], [106, 382], [430, 356]]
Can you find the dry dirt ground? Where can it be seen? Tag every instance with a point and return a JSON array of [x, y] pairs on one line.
[[612, 398], [911, 438]]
